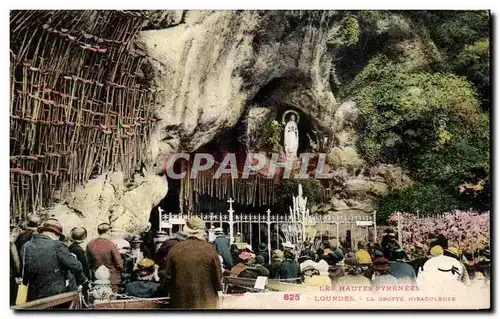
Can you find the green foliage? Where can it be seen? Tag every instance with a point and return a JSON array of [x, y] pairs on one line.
[[462, 37], [421, 82], [429, 123], [427, 199], [271, 138], [452, 30], [312, 189], [474, 63], [349, 30]]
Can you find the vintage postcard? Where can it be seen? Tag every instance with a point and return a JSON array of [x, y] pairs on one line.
[[249, 159]]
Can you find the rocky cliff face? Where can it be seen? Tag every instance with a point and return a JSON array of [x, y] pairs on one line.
[[211, 67]]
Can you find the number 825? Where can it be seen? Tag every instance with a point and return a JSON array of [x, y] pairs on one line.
[[291, 296]]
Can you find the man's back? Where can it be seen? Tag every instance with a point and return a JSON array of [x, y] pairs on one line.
[[81, 255], [289, 269], [222, 246], [193, 274], [103, 251], [46, 264], [163, 251], [401, 271]]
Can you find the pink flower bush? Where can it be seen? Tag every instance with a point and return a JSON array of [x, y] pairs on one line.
[[465, 230]]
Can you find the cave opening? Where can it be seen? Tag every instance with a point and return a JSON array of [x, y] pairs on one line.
[[204, 195]]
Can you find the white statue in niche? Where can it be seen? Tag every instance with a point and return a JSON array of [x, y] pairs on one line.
[[291, 138]]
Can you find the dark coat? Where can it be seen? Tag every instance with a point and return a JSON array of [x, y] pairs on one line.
[[265, 254], [142, 289], [162, 253], [193, 275], [289, 269], [254, 271], [23, 238], [148, 244], [102, 251], [401, 270], [81, 255], [335, 272], [275, 269], [46, 267], [221, 244]]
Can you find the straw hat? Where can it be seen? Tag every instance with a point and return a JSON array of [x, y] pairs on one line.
[[436, 251], [146, 265], [194, 227]]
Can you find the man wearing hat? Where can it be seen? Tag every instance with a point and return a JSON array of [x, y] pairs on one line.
[[33, 221], [193, 270], [77, 236], [389, 243], [382, 273], [162, 253], [46, 262], [221, 243], [102, 251], [400, 270], [262, 251], [160, 238], [353, 274], [290, 269], [138, 250], [334, 259]]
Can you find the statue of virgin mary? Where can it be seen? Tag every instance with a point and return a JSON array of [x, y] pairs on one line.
[[291, 138]]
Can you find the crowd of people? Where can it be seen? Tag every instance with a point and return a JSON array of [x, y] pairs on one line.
[[189, 266]]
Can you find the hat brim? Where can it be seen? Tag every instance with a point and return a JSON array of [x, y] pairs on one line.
[[381, 267], [197, 233], [50, 229]]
